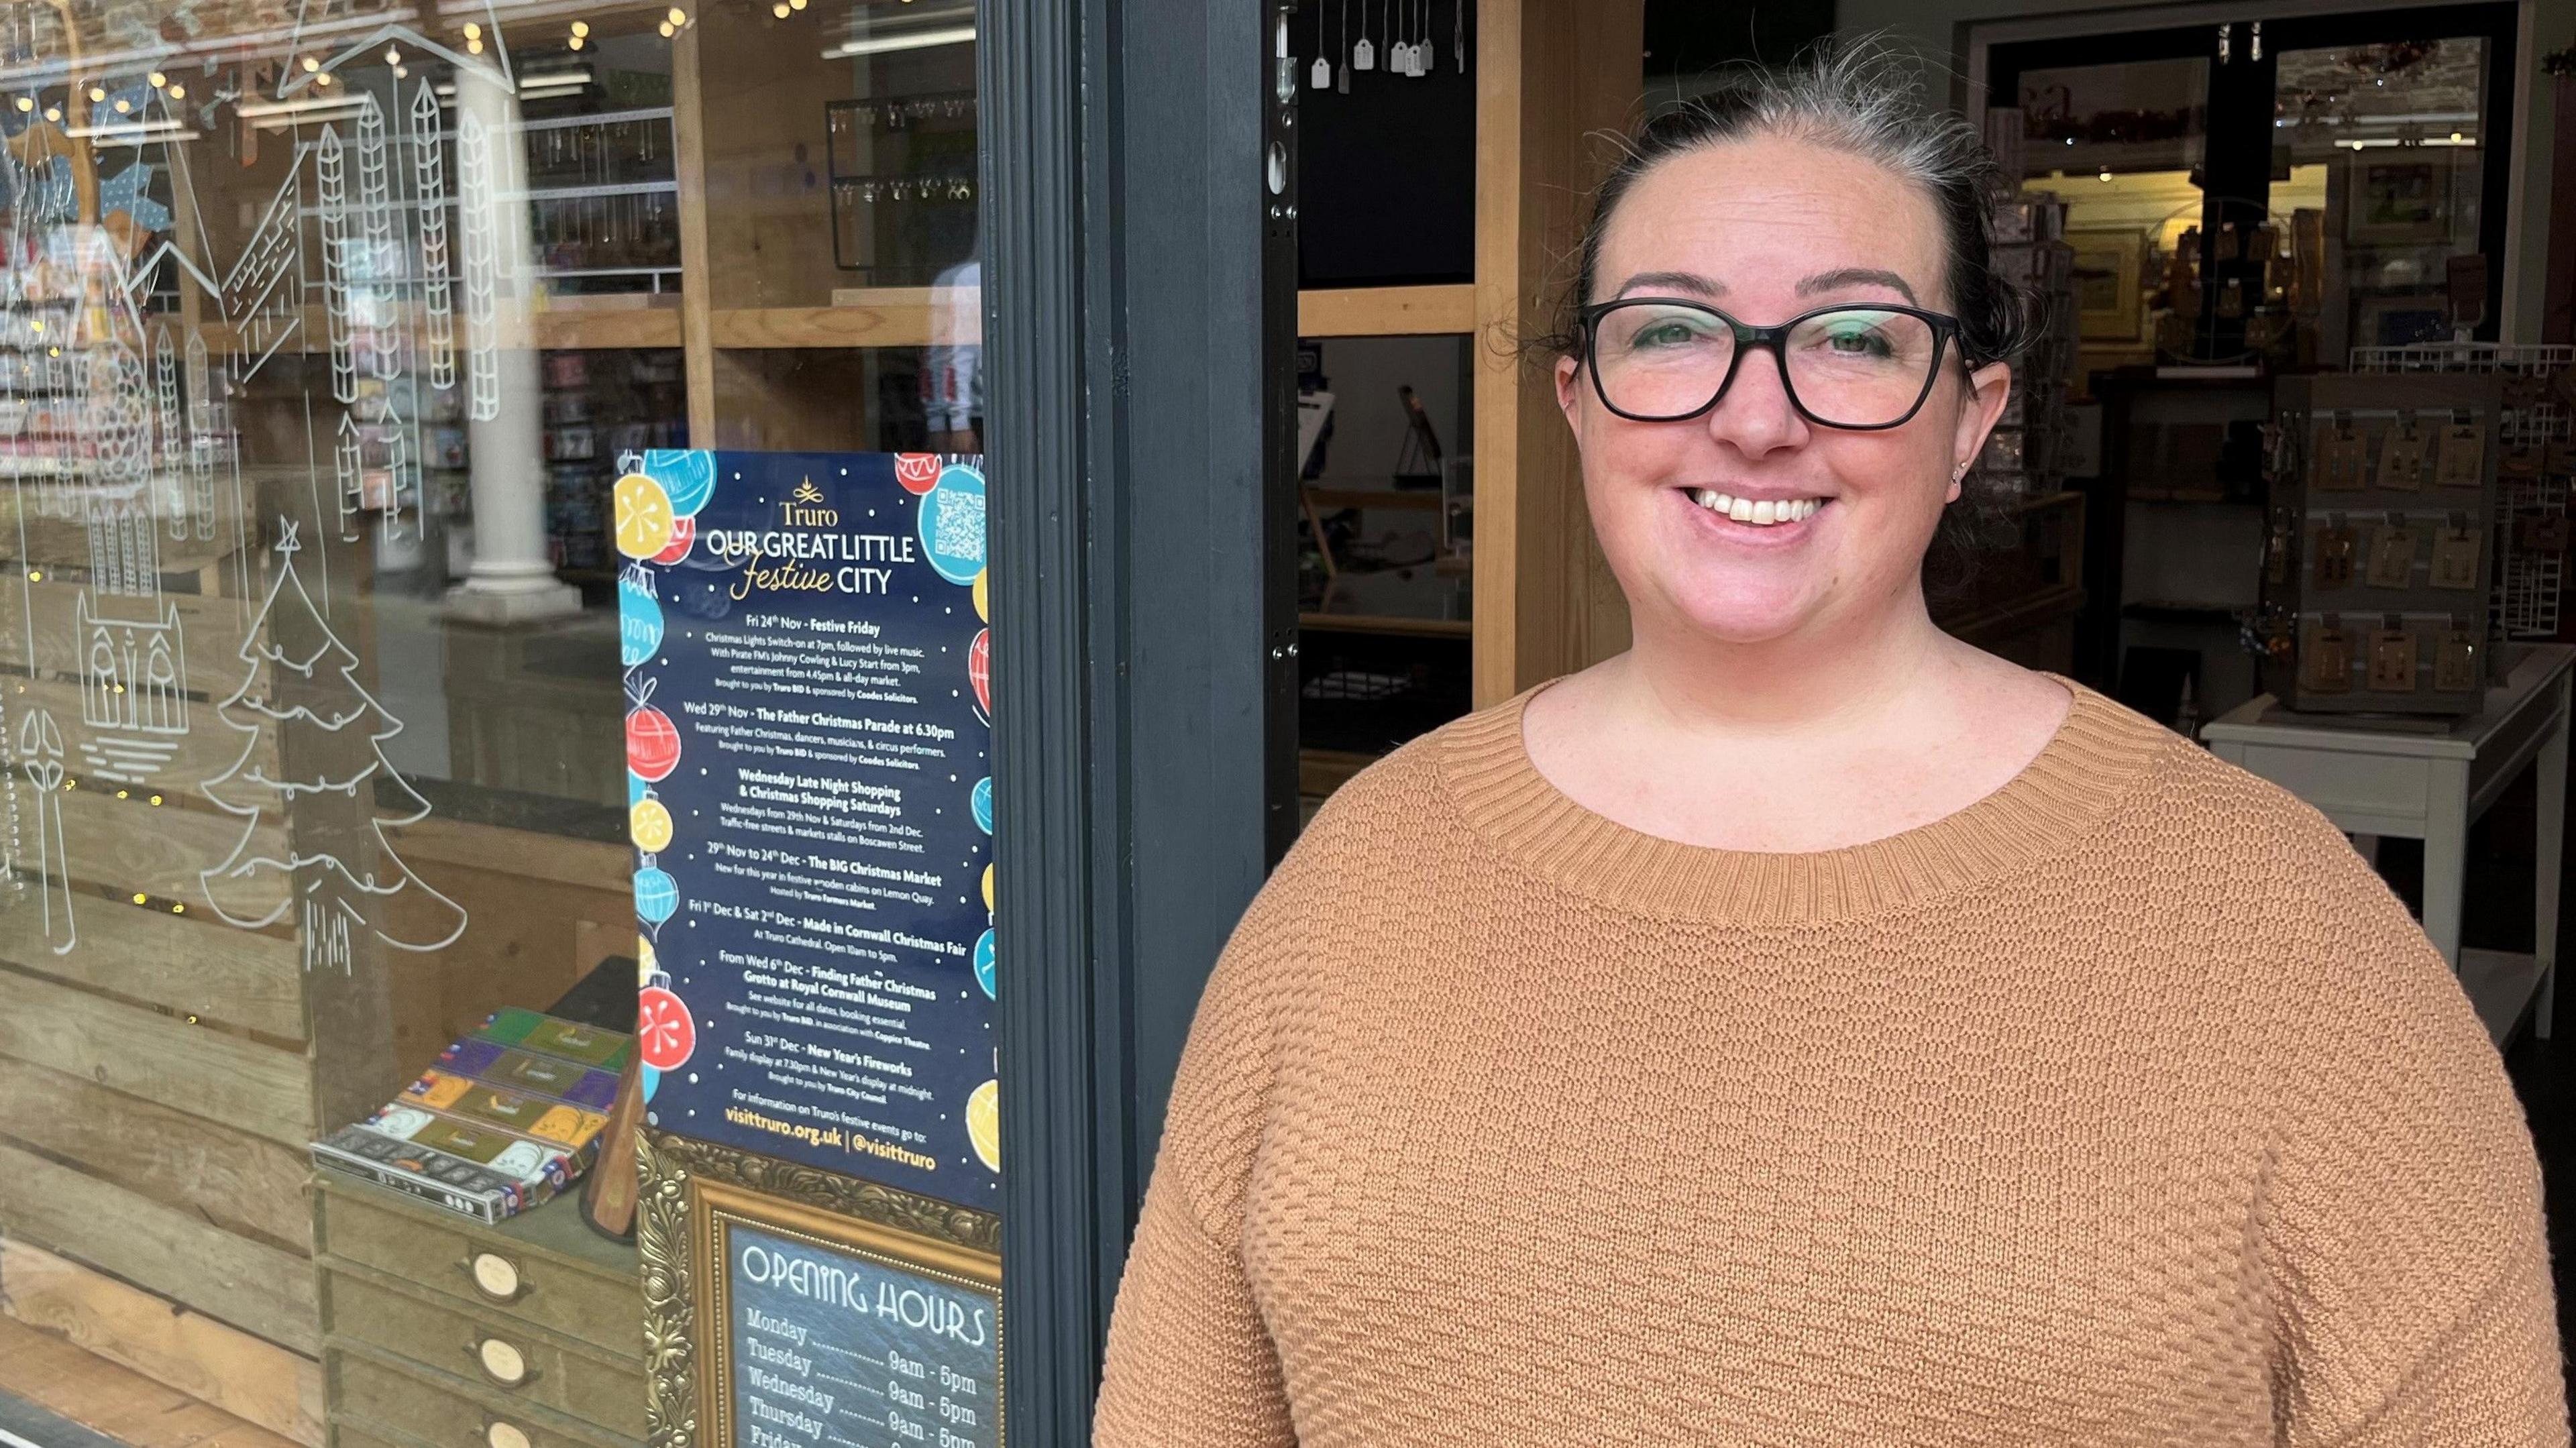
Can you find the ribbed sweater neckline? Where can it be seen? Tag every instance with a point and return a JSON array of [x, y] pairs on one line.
[[2074, 781]]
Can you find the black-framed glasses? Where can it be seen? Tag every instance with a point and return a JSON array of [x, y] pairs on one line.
[[1859, 366]]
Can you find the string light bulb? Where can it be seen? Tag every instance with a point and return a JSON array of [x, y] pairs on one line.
[[311, 65], [575, 43], [401, 72], [779, 9], [159, 80], [473, 31], [53, 113], [581, 28], [322, 79], [97, 94], [677, 16], [669, 30], [28, 103], [123, 105], [178, 92], [795, 4], [393, 55], [474, 47]]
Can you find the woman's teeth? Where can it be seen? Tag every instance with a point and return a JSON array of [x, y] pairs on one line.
[[1763, 512]]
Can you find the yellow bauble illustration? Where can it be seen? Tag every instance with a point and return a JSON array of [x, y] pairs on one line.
[[650, 823], [643, 516], [646, 967], [984, 1123], [988, 889], [983, 599]]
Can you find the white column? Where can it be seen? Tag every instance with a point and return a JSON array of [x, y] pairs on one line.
[[511, 579]]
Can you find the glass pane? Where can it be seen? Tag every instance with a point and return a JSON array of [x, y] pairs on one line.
[[2385, 154], [332, 338], [2124, 145]]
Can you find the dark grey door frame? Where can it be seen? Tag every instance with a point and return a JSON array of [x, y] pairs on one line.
[[1143, 631]]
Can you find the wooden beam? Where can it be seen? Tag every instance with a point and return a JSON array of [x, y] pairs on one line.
[[174, 1253], [259, 1089], [254, 1380], [1386, 311], [689, 166], [1550, 75], [870, 317]]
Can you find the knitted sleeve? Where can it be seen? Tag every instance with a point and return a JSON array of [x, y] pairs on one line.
[[2403, 1230], [1190, 1363]]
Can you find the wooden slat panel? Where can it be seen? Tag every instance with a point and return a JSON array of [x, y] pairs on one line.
[[191, 963], [259, 1089], [52, 541], [127, 845], [211, 632], [254, 1380], [171, 1252], [237, 1182], [1386, 311], [689, 170], [209, 748], [71, 1381]]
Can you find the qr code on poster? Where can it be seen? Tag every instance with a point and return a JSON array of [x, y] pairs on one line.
[[959, 526]]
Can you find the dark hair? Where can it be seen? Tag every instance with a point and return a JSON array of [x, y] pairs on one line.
[[1862, 98]]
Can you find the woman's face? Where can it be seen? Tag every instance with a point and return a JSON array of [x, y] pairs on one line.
[[1764, 230]]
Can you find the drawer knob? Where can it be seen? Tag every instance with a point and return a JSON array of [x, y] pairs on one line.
[[502, 1362], [495, 1276], [502, 1433]]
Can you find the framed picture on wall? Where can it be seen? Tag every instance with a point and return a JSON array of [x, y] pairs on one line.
[[2398, 198], [2400, 321], [2106, 270]]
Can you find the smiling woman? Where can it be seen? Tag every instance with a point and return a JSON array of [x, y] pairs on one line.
[[1804, 1027]]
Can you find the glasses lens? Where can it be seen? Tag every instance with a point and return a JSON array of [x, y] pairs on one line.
[[1860, 366], [1661, 359]]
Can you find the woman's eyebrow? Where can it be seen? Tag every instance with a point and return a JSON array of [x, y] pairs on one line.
[[1668, 281], [1857, 276]]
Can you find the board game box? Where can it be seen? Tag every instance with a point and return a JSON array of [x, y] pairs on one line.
[[508, 1117]]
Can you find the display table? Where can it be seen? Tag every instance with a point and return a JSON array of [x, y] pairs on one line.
[[2430, 783]]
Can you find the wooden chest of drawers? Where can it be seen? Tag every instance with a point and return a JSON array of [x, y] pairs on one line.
[[440, 1332]]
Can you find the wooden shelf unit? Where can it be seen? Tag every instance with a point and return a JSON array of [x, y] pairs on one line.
[[1386, 311]]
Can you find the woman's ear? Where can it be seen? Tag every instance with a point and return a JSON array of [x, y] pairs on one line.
[[1569, 397], [1989, 387]]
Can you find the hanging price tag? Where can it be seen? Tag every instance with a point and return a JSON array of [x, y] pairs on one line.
[[2325, 664], [2464, 456], [2455, 559], [2392, 557], [2455, 662], [2336, 549], [2392, 661]]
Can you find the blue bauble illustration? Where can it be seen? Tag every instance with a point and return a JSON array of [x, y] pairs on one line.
[[688, 475], [647, 1079], [983, 800], [636, 789], [952, 524], [639, 621], [984, 969], [657, 895]]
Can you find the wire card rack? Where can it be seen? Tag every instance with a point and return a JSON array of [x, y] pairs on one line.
[[2537, 431]]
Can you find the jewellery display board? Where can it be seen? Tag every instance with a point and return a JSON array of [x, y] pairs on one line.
[[2380, 550]]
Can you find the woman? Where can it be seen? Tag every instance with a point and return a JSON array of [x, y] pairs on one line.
[[1805, 1028]]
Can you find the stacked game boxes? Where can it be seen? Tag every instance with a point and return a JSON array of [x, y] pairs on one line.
[[508, 1117]]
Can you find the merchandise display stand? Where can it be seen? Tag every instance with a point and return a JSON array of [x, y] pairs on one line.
[[2432, 787]]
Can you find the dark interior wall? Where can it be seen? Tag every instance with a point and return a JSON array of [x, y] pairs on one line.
[[1386, 188], [1688, 37]]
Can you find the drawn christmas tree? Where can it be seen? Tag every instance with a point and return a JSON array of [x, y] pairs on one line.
[[329, 735]]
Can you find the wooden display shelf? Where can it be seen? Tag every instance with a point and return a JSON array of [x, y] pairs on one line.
[[1386, 623], [1386, 311], [871, 317], [599, 329]]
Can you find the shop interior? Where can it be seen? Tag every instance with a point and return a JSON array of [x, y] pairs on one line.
[[752, 224]]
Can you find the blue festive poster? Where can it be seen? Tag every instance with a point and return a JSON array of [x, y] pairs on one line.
[[808, 747]]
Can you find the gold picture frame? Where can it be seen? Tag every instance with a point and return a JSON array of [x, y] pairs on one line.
[[693, 1191], [2106, 266]]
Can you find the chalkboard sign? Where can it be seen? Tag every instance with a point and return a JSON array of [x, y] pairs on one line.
[[808, 736], [833, 1333]]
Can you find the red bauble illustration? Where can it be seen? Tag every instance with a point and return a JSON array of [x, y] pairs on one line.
[[684, 531], [664, 1035], [918, 472], [979, 669], [652, 744]]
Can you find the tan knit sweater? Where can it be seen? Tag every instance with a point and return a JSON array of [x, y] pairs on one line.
[[2125, 1106]]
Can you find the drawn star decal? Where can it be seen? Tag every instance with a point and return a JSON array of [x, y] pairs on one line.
[[124, 192]]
